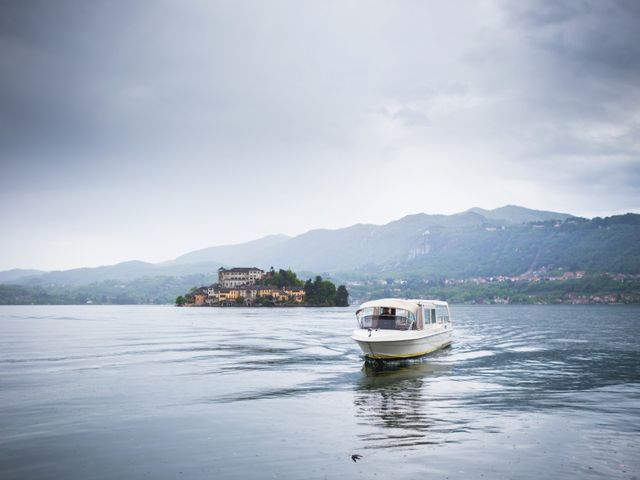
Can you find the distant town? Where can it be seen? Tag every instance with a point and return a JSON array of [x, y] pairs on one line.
[[541, 286], [251, 287]]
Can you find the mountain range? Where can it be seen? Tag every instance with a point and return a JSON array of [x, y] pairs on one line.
[[509, 240]]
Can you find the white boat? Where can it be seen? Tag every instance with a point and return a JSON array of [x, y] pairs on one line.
[[392, 328]]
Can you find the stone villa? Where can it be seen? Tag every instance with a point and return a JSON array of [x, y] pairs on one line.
[[239, 276], [238, 285]]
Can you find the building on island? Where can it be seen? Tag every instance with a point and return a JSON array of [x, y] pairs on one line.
[[200, 296], [249, 294], [241, 286], [239, 277]]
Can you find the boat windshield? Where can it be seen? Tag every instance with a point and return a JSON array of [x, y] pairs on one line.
[[386, 318]]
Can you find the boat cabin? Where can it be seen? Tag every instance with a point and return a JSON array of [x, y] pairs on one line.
[[397, 314]]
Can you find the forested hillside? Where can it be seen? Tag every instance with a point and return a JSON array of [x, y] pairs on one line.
[[476, 243]]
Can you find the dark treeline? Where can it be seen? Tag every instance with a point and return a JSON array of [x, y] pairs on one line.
[[140, 291], [318, 292], [324, 292], [281, 278]]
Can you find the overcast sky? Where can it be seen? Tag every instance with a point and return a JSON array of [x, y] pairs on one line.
[[143, 130]]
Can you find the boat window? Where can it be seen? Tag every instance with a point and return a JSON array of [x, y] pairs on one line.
[[365, 317], [386, 318], [429, 316], [442, 314]]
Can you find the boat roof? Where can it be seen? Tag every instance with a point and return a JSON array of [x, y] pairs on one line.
[[406, 304]]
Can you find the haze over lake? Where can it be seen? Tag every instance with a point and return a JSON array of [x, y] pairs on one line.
[[102, 392]]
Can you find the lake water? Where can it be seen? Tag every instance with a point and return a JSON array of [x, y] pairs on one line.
[[107, 392]]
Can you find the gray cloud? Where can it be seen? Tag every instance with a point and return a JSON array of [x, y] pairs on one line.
[[118, 119]]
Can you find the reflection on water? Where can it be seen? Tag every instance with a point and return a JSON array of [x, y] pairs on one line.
[[392, 397], [164, 393]]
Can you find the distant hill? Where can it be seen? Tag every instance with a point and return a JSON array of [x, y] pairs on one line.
[[515, 214], [506, 241], [595, 246], [124, 271], [361, 245], [9, 276], [512, 241]]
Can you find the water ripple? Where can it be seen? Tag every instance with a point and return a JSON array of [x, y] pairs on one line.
[[523, 392]]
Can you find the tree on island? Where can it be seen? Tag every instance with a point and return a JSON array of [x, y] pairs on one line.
[[281, 278], [342, 297], [180, 301], [321, 292]]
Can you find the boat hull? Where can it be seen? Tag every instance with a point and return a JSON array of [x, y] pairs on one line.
[[388, 349]]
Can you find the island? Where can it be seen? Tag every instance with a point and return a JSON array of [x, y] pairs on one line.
[[253, 287]]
